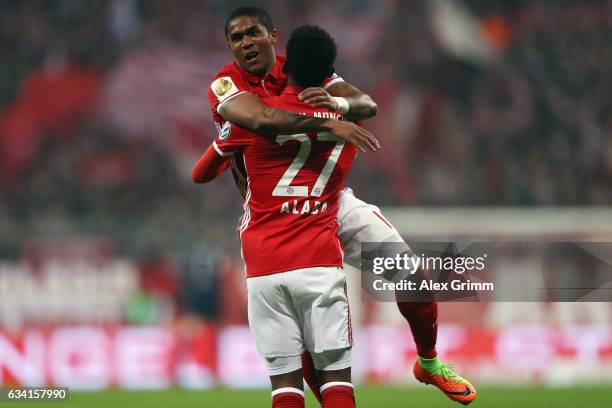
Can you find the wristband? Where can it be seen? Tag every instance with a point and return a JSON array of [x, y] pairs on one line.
[[343, 105]]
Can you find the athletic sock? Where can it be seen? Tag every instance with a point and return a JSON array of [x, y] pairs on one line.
[[423, 320], [338, 395], [308, 371], [430, 364], [287, 398]]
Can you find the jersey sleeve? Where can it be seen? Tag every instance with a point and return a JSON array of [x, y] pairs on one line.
[[225, 86], [231, 139], [209, 167], [331, 80]]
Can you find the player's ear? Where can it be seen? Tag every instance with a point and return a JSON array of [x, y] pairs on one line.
[[274, 36]]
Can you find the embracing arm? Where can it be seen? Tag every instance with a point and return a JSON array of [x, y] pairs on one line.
[[210, 165], [246, 110], [360, 105]]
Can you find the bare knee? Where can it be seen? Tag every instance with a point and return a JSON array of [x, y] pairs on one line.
[[343, 375], [291, 380]]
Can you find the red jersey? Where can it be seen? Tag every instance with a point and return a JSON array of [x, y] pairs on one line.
[[293, 188], [231, 81]]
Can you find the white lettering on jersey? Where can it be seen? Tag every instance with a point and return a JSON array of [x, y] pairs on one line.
[[285, 207], [306, 207], [327, 115], [315, 209]]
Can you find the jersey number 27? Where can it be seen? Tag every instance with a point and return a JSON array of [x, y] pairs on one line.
[[284, 187]]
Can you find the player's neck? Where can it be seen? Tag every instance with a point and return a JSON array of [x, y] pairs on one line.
[[293, 86], [292, 82]]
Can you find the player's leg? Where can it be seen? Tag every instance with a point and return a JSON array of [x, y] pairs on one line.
[[421, 312], [362, 222], [322, 302], [287, 387], [277, 334], [334, 373], [310, 376], [422, 318]]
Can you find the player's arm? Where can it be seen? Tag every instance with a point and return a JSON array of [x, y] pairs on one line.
[[341, 97], [209, 166], [246, 110], [215, 160]]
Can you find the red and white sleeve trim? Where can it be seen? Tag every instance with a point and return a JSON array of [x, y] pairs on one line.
[[332, 82], [221, 152]]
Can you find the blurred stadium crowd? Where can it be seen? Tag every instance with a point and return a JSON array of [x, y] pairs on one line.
[[103, 112]]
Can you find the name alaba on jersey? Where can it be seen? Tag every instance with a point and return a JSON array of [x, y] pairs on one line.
[[293, 185]]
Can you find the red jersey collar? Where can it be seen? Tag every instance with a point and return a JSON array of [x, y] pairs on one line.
[[276, 72], [292, 90]]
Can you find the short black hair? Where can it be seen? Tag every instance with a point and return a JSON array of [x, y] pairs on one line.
[[251, 11], [311, 53]]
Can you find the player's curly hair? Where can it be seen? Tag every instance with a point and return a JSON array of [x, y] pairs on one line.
[[311, 53], [251, 11]]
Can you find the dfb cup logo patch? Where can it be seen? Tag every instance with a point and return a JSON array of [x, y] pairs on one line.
[[223, 88]]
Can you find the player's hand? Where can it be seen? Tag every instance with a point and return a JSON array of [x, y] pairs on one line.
[[318, 98], [353, 134]]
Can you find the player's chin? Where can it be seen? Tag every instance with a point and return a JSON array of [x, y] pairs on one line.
[[256, 68]]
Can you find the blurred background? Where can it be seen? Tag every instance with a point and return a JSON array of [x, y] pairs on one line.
[[116, 270]]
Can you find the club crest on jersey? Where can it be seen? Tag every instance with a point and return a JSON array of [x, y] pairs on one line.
[[225, 131], [223, 88]]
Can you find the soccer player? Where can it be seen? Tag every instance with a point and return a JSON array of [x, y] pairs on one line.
[[296, 284], [234, 95]]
